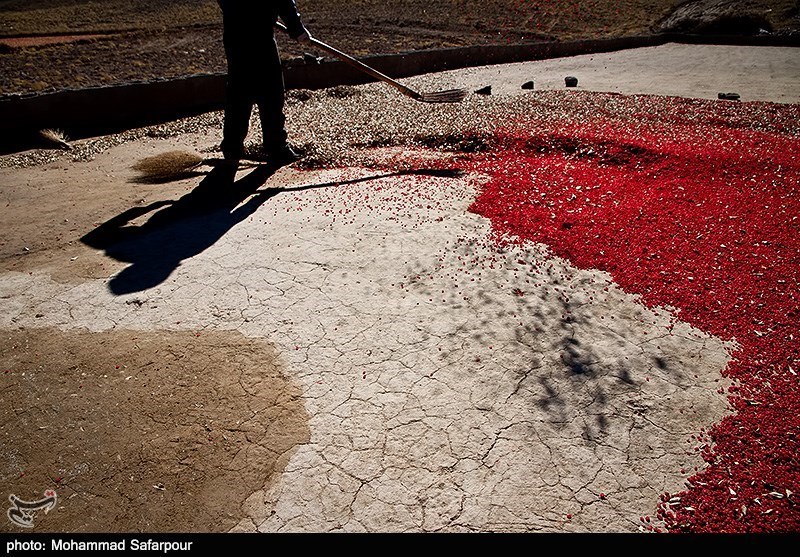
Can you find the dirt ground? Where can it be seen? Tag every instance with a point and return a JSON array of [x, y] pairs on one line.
[[154, 39], [144, 431]]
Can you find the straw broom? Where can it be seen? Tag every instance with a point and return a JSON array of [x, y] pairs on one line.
[[168, 166], [174, 165], [55, 138]]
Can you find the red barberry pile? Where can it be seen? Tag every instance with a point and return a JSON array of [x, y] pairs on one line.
[[693, 205]]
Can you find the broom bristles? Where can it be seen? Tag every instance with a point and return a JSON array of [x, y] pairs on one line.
[[169, 164], [56, 137]]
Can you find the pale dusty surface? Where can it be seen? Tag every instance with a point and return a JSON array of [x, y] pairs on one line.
[[756, 73], [449, 384]]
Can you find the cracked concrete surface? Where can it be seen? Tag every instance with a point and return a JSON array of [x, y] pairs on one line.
[[451, 383], [143, 431]]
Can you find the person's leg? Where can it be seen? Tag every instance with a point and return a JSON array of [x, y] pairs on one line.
[[270, 99], [240, 90], [238, 107]]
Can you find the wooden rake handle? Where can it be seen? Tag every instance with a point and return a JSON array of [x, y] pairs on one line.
[[349, 60]]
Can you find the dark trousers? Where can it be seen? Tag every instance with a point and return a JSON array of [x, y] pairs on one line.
[[255, 77]]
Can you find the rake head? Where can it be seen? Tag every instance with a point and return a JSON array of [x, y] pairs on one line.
[[449, 96]]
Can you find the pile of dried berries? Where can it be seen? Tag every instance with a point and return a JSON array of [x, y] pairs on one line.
[[694, 205]]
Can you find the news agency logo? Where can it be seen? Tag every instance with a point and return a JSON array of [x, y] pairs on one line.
[[22, 512]]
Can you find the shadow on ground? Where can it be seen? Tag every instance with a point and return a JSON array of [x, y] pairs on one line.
[[183, 228]]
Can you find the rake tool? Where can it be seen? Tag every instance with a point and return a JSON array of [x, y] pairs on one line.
[[448, 96]]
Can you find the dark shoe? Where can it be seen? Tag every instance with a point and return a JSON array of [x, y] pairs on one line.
[[283, 156], [279, 156]]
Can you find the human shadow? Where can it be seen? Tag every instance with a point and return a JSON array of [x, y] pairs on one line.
[[180, 229]]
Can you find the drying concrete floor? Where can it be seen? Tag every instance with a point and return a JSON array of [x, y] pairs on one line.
[[355, 353]]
